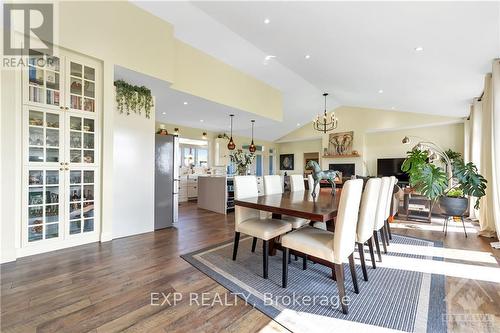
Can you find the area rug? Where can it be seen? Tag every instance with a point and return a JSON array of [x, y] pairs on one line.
[[394, 299]]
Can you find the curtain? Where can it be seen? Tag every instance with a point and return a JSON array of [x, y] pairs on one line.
[[475, 138], [489, 213]]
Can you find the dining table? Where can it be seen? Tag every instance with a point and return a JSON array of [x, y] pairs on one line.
[[322, 208]]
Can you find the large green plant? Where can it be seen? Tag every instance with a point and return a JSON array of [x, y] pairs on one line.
[[431, 180], [133, 98]]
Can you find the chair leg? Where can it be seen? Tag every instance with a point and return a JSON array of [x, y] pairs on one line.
[[254, 244], [361, 251], [372, 253], [463, 224], [235, 246], [377, 245], [289, 258], [339, 273], [304, 262], [384, 240], [389, 229], [295, 257], [265, 261], [353, 273], [284, 277], [386, 231]]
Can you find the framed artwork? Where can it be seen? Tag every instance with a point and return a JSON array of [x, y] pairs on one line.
[[286, 162], [340, 143]]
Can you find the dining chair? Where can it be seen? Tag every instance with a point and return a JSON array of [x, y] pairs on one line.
[[310, 184], [297, 183], [380, 217], [366, 220], [394, 181], [272, 185], [248, 221], [336, 248]]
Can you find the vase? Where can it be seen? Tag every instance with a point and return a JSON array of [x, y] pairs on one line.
[[242, 170]]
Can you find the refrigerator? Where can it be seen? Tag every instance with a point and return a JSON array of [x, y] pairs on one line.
[[167, 158]]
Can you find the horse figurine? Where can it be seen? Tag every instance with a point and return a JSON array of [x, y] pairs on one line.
[[319, 174]]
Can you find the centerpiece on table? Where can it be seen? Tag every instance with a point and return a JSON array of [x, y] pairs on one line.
[[242, 161]]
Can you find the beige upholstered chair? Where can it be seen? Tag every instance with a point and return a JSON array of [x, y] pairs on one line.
[[297, 183], [380, 217], [366, 220], [335, 248], [310, 183], [272, 185], [248, 221]]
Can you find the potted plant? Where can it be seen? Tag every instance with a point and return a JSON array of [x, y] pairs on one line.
[[449, 188], [242, 161]]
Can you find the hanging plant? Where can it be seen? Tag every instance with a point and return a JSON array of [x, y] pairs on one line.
[[133, 98]]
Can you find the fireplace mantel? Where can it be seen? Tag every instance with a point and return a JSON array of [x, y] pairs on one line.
[[341, 156]]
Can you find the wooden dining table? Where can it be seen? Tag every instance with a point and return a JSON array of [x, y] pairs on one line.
[[323, 208]]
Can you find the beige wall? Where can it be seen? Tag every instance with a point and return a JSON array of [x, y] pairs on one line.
[[368, 126], [388, 144], [298, 149]]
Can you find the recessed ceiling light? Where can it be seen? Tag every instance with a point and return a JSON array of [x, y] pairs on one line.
[[163, 113], [201, 120], [380, 91], [267, 21], [298, 124], [307, 56], [393, 108], [419, 49], [185, 103]]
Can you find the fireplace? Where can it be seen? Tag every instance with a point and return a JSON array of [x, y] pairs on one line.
[[347, 169]]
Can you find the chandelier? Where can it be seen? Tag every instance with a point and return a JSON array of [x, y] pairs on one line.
[[325, 123]]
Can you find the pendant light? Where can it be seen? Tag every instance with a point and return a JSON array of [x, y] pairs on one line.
[[252, 147], [231, 144], [325, 124]]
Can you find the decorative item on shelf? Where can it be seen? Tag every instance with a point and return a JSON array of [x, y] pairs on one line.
[[325, 123], [341, 144], [330, 175], [162, 130], [286, 162], [449, 186], [222, 136], [133, 98], [242, 161], [231, 145], [204, 136], [252, 147], [176, 131]]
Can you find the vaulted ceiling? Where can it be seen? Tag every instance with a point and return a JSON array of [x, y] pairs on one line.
[[423, 57]]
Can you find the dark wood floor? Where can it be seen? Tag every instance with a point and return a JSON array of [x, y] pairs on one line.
[[106, 287]]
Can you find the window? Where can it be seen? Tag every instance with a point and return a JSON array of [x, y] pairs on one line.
[[194, 156]]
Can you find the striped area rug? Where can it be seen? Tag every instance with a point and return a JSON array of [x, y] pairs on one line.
[[394, 299]]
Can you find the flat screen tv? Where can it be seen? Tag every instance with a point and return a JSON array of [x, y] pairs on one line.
[[391, 167]]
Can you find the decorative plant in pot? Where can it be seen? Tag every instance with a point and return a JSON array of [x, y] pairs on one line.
[[242, 161], [448, 186]]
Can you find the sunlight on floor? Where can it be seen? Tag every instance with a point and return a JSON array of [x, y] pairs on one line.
[[452, 227], [465, 271], [468, 255]]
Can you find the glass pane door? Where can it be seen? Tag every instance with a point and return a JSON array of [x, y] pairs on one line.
[[82, 140], [43, 80], [82, 87], [44, 136], [81, 201], [43, 204]]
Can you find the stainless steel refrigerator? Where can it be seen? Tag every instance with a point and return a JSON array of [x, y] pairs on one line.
[[166, 180]]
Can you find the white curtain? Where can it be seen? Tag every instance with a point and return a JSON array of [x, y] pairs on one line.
[[489, 167], [475, 138]]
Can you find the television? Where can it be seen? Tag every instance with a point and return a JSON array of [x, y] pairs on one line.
[[392, 167]]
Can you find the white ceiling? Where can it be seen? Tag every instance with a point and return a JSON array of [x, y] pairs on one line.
[[356, 49], [198, 113]]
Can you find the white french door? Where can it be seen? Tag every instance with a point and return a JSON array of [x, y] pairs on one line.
[[60, 153]]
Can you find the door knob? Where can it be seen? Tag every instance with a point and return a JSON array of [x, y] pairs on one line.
[[66, 168], [61, 169], [66, 108], [66, 163]]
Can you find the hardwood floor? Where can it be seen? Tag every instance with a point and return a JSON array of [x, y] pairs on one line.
[[107, 287]]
